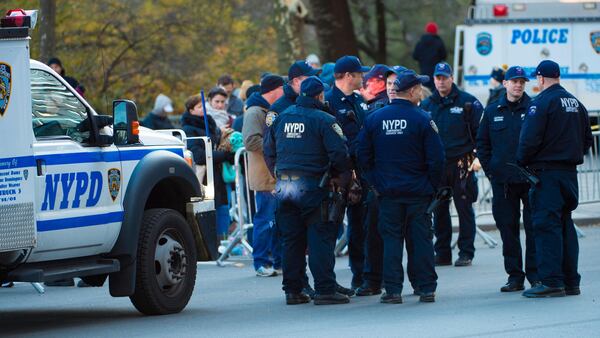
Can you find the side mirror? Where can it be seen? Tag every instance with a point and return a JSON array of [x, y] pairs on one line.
[[126, 124]]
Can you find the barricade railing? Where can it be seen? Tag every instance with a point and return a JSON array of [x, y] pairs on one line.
[[242, 207], [588, 176]]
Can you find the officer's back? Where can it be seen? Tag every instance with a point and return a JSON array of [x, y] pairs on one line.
[[556, 130], [404, 148]]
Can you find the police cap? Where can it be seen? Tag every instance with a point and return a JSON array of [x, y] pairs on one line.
[[515, 72], [301, 68], [443, 69], [349, 64], [378, 71], [409, 79], [311, 87], [547, 68]]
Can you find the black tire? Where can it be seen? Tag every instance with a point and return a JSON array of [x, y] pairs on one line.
[[158, 291]]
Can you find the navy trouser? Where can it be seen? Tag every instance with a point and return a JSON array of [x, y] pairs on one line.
[[373, 269], [356, 240], [506, 208], [264, 241], [400, 219], [464, 194], [556, 243], [299, 221]]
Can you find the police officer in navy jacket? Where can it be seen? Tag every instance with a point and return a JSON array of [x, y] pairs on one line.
[[554, 138], [402, 157], [457, 116], [497, 142], [350, 110], [300, 147]]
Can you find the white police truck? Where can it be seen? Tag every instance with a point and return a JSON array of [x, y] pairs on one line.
[[81, 197], [517, 32]]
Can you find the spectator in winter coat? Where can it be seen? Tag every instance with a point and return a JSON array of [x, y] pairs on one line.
[[429, 51], [158, 117], [233, 104]]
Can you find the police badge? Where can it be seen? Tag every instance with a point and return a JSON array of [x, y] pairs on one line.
[[336, 127], [270, 118], [5, 86], [595, 40], [114, 182], [484, 43]]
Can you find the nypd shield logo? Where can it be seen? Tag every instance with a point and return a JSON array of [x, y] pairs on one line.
[[270, 118], [336, 127], [595, 40], [114, 183], [484, 43], [5, 86]]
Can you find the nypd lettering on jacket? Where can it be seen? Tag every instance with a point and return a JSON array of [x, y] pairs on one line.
[[394, 127], [540, 36], [569, 104], [75, 188], [293, 129]]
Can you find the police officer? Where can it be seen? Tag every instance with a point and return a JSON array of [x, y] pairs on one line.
[[301, 145], [374, 87], [497, 141], [298, 72], [457, 114], [349, 110], [403, 157], [555, 135]]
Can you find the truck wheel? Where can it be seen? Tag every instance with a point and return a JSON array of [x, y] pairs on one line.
[[166, 263]]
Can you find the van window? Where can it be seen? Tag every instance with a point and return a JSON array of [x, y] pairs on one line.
[[57, 112]]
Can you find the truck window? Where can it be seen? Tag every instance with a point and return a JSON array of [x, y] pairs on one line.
[[56, 111]]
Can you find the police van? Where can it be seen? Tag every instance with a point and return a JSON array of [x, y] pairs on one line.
[[81, 196], [524, 33]]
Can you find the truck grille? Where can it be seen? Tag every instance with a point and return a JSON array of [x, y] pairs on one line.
[[17, 226]]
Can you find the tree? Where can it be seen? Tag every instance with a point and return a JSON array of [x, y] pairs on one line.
[[335, 30], [47, 29]]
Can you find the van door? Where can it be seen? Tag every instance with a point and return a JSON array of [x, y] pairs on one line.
[[17, 169], [78, 185]]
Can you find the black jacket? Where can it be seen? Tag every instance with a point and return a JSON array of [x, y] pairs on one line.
[[498, 138], [194, 126], [156, 122], [428, 52]]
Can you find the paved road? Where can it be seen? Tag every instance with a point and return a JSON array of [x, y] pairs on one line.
[[230, 301]]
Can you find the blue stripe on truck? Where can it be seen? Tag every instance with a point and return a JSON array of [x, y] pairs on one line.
[[78, 222]]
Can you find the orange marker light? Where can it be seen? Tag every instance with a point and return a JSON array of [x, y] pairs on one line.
[[135, 127]]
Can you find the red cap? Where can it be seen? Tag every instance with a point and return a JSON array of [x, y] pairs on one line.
[[431, 27]]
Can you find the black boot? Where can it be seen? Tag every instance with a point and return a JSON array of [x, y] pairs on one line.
[[336, 298]]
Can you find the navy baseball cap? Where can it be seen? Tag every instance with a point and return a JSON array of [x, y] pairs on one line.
[[349, 64], [301, 68], [408, 79], [547, 68], [270, 82], [378, 71], [442, 69], [395, 70], [311, 86], [515, 72]]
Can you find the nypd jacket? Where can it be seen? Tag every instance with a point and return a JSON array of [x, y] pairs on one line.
[[556, 132], [400, 151], [454, 122], [287, 99], [498, 138], [350, 114], [379, 101], [306, 140]]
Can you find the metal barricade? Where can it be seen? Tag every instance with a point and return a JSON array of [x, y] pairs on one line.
[[243, 209], [588, 176]]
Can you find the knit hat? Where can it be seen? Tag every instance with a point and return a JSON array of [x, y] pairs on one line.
[[431, 27], [497, 74]]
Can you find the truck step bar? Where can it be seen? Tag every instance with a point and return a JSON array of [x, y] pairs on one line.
[[52, 271]]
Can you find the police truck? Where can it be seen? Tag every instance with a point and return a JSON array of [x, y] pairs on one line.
[[523, 33], [94, 196]]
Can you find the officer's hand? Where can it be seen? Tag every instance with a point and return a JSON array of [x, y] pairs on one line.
[[341, 182], [476, 165], [355, 193]]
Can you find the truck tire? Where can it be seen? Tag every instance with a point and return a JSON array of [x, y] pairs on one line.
[[166, 263]]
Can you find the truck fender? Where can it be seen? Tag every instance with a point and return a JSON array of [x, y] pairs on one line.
[[153, 168]]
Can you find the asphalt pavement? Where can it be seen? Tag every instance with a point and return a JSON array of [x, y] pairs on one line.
[[231, 302]]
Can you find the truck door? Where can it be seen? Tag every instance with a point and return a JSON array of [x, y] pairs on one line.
[[17, 168], [78, 185]]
